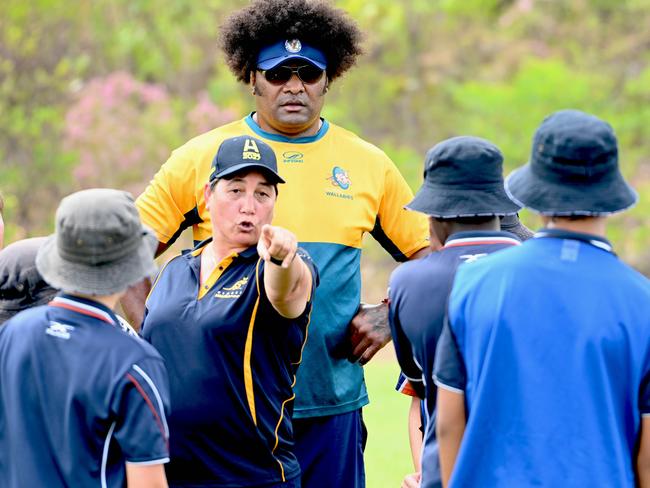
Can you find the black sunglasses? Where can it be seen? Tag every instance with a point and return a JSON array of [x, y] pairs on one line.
[[279, 75]]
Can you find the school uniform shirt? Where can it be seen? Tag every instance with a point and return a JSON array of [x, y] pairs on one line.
[[550, 344], [339, 188], [418, 293], [232, 360], [79, 398]]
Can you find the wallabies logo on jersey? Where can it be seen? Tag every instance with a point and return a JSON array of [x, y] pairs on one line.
[[340, 178]]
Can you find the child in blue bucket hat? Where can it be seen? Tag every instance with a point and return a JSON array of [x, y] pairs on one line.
[[543, 369]]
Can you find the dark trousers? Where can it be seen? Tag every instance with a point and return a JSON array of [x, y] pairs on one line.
[[330, 450]]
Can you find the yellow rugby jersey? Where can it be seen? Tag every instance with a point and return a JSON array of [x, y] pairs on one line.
[[338, 187]]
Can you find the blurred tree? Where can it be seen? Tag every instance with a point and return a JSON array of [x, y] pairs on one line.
[[432, 70]]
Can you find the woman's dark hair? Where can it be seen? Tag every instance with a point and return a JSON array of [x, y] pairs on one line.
[[264, 22]]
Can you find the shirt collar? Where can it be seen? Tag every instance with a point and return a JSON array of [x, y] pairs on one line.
[[479, 237], [594, 240], [248, 253], [85, 306], [280, 138]]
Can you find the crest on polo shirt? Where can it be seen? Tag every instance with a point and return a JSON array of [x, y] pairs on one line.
[[234, 291], [293, 46]]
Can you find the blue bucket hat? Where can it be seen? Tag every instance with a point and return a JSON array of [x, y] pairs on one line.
[[573, 169], [463, 177], [287, 50]]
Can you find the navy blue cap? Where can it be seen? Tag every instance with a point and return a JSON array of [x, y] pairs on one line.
[[282, 51], [243, 152], [463, 177], [573, 169]]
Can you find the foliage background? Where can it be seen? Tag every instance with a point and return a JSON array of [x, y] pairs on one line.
[[98, 92]]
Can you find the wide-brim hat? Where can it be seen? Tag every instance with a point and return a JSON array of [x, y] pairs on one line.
[[463, 177], [100, 246], [573, 169]]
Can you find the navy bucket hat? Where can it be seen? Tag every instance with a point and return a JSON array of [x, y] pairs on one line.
[[573, 169], [463, 177]]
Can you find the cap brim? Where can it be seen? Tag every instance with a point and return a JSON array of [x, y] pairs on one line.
[[240, 167], [444, 202], [599, 198], [273, 62], [101, 279]]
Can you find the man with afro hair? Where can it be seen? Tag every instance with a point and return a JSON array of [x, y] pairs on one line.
[[339, 187]]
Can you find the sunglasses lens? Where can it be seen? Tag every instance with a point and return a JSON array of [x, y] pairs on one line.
[[281, 74], [310, 74], [278, 75]]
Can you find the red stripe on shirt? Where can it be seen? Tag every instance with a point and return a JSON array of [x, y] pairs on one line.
[[80, 310], [151, 407], [407, 389]]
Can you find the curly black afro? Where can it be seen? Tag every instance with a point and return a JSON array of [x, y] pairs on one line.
[[264, 22]]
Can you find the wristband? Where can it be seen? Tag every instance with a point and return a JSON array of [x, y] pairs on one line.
[[275, 261]]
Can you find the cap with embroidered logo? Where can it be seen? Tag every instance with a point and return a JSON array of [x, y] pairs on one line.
[[287, 50], [244, 152]]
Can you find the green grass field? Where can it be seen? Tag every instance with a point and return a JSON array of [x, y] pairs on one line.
[[387, 455]]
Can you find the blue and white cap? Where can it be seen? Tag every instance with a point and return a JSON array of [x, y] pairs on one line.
[[271, 56]]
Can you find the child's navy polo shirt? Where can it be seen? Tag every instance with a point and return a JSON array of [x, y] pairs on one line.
[[550, 344], [79, 397], [232, 361], [418, 292]]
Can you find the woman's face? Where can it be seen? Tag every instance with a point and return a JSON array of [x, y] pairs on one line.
[[239, 207]]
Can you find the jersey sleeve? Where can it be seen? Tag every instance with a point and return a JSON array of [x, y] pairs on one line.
[[403, 347], [141, 405], [169, 204], [400, 232], [404, 386], [449, 370]]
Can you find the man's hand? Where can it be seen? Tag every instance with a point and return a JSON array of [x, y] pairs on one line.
[[369, 331], [411, 481], [133, 302]]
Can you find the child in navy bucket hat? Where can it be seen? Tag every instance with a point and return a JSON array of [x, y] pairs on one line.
[[543, 368], [463, 196]]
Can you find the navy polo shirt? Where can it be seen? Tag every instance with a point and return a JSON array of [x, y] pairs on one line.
[[232, 361], [550, 344], [79, 397], [418, 292]]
